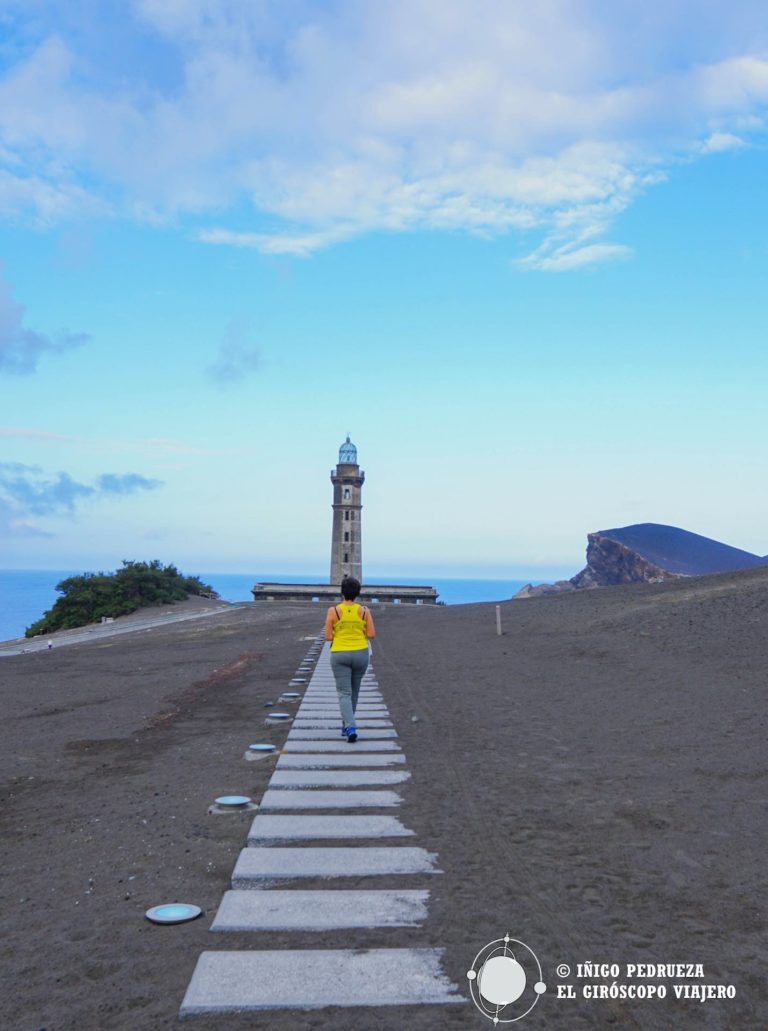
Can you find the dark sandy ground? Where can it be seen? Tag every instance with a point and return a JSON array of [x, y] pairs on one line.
[[594, 782]]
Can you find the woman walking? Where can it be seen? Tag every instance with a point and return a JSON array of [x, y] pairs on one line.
[[349, 627]]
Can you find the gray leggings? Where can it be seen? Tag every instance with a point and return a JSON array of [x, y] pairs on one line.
[[348, 669]]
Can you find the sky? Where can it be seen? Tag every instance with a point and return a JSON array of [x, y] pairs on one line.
[[518, 251]]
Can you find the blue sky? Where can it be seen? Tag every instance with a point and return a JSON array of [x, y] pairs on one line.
[[518, 251]]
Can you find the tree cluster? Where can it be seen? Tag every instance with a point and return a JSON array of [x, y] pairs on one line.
[[87, 598]]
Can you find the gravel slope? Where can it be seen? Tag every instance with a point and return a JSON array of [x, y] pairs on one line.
[[593, 781]]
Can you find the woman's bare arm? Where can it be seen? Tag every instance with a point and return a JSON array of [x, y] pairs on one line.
[[330, 619], [370, 629]]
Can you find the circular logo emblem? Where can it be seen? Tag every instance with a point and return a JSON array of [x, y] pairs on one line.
[[505, 980]]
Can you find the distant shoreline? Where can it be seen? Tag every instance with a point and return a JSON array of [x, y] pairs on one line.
[[28, 593]]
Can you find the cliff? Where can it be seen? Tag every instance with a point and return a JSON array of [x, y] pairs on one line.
[[648, 553]]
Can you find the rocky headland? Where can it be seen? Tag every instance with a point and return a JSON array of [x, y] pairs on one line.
[[648, 553]]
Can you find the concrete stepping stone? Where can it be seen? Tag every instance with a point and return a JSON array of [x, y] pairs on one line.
[[319, 910], [333, 719], [328, 799], [257, 865], [228, 982], [340, 745], [335, 778], [323, 723], [325, 687], [318, 761], [317, 684], [300, 828], [333, 704], [333, 699], [328, 689], [326, 733], [330, 695], [314, 708], [327, 699], [331, 689], [333, 707]]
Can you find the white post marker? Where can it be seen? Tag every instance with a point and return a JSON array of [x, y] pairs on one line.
[[498, 620]]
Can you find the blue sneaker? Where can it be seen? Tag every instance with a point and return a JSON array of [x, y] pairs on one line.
[[351, 735], [343, 730]]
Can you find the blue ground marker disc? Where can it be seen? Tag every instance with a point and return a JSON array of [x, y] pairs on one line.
[[173, 913], [279, 715], [261, 748], [233, 800]]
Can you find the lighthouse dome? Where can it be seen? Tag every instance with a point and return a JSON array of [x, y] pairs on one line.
[[348, 453]]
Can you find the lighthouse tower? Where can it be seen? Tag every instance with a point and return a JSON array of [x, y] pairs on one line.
[[346, 538]]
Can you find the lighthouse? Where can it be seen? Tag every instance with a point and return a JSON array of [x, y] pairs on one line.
[[346, 535], [346, 549]]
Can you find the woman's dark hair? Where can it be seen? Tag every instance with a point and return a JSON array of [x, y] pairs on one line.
[[350, 588]]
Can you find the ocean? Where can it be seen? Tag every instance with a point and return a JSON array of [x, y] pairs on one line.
[[25, 594]]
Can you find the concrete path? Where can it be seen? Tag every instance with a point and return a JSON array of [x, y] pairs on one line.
[[338, 744], [230, 982], [340, 759], [284, 800], [319, 771], [333, 734], [335, 778], [319, 910], [297, 828], [255, 865], [324, 723]]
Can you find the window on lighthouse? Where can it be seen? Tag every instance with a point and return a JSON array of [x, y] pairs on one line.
[[346, 536], [346, 556], [346, 493], [346, 515]]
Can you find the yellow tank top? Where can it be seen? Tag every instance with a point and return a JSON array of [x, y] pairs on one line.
[[349, 630]]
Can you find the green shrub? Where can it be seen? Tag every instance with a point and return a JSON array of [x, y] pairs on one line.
[[86, 598]]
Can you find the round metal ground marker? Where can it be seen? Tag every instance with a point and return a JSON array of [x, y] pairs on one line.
[[173, 913], [299, 680], [261, 748], [292, 694], [233, 801], [279, 715]]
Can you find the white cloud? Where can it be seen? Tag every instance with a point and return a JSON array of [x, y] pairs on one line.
[[719, 142], [294, 126], [300, 245], [30, 433], [569, 257]]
